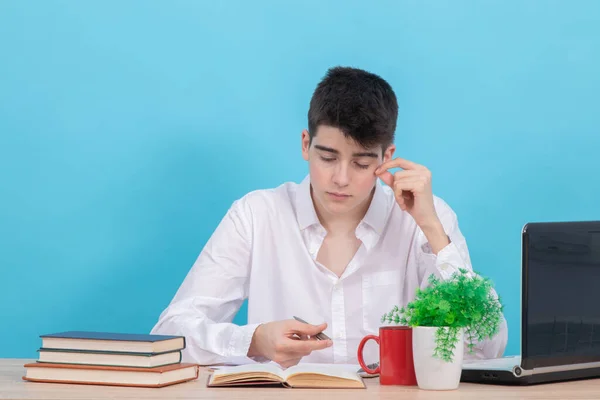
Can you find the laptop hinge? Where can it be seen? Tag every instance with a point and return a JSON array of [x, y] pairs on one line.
[[519, 372]]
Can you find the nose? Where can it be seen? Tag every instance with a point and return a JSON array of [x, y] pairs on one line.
[[341, 175]]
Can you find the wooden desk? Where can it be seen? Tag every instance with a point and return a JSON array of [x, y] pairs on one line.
[[13, 387]]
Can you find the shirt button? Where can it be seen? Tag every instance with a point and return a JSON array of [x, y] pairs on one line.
[[444, 267]]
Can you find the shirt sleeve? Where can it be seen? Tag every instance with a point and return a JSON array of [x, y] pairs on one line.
[[447, 262], [211, 294]]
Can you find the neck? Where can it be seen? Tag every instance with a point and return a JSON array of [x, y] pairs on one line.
[[344, 224]]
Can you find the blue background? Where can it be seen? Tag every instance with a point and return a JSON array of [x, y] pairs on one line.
[[128, 128]]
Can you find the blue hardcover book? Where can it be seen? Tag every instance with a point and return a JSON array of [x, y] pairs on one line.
[[114, 342], [109, 358]]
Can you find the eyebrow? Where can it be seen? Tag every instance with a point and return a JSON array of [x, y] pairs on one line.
[[334, 151]]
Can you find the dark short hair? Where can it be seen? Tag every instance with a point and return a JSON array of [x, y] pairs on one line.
[[359, 103]]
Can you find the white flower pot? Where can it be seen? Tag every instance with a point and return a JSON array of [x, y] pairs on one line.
[[434, 373]]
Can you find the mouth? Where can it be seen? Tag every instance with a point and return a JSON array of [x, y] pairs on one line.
[[338, 196]]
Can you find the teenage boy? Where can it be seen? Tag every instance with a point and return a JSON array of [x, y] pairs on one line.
[[338, 250]]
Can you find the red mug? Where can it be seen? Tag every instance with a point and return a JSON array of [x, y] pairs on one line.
[[396, 365]]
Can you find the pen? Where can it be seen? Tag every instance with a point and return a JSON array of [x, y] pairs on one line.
[[319, 336]]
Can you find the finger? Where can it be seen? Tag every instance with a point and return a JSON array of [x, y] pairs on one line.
[[403, 193], [400, 199], [289, 363], [307, 329], [397, 163], [305, 347], [408, 184], [294, 348], [410, 173], [387, 178], [401, 203]]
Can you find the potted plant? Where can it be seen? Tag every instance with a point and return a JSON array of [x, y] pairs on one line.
[[442, 315]]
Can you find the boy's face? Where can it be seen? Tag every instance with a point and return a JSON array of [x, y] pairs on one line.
[[342, 173]]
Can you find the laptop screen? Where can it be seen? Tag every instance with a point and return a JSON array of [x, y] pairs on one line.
[[561, 294]]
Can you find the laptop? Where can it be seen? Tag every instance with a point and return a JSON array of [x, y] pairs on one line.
[[560, 309]]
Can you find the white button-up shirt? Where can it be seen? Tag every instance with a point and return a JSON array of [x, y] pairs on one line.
[[265, 250]]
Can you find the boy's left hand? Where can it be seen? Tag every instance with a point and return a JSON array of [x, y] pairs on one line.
[[412, 189]]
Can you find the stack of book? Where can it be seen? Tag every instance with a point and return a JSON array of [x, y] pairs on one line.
[[101, 358]]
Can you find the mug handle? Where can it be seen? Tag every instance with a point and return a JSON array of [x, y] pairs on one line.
[[360, 355]]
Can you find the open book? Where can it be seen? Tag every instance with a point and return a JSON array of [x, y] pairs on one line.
[[299, 376]]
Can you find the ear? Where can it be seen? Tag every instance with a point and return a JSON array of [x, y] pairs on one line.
[[388, 154], [305, 144]]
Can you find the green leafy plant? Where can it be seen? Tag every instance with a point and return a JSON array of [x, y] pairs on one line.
[[464, 301]]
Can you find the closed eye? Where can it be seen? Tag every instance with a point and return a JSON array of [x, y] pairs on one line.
[[326, 159], [362, 166]]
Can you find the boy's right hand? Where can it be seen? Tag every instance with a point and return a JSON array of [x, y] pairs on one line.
[[278, 341]]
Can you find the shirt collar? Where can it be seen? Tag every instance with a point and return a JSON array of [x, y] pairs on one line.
[[375, 217], [305, 209]]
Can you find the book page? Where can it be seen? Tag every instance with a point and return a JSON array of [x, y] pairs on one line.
[[345, 371], [271, 368]]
